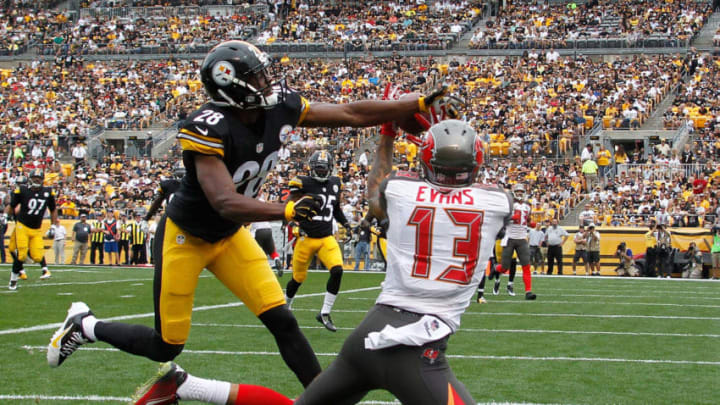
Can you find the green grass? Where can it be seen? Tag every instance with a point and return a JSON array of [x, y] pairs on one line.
[[585, 341]]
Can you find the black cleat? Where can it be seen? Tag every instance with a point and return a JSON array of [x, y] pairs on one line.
[[530, 296], [496, 287], [326, 321], [279, 267]]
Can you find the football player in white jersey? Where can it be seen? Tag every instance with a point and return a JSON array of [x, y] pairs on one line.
[[516, 240]]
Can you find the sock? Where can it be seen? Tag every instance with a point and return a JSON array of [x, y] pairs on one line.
[[43, 263], [481, 292], [274, 255], [257, 395], [13, 276], [201, 389], [88, 325], [527, 277], [328, 303], [289, 301], [510, 283]]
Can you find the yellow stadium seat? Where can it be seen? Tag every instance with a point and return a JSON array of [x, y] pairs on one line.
[[607, 120], [495, 148], [589, 121], [506, 148]]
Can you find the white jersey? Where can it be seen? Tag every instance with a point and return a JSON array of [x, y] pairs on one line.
[[519, 229], [438, 244]]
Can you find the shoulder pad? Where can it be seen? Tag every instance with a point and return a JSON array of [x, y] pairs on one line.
[[404, 174], [201, 132]]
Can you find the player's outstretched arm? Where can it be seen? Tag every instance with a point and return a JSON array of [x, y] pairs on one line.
[[155, 206], [380, 169], [220, 191], [367, 113]]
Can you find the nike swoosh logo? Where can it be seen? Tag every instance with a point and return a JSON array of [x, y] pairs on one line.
[[54, 343], [160, 400], [202, 131]]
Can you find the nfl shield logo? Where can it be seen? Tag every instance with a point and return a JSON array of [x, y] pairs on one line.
[[259, 147]]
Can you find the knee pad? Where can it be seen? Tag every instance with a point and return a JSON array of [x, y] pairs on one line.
[[336, 271], [299, 276], [22, 255]]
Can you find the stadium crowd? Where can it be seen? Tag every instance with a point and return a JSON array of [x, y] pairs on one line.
[[527, 24]]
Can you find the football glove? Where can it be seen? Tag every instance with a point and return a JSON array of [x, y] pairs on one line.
[[304, 208], [391, 93], [439, 106]]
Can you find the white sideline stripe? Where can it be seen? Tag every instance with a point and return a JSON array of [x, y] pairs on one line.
[[702, 318], [450, 356], [151, 314], [568, 332], [93, 282], [94, 398]]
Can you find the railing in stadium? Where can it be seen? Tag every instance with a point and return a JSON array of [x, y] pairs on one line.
[[659, 170], [182, 11]]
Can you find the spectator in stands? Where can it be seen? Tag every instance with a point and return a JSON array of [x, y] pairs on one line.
[[79, 152], [590, 172], [81, 235], [604, 162]]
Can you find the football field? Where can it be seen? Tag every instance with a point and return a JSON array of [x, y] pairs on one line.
[[584, 341]]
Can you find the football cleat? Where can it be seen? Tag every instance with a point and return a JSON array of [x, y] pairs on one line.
[[13, 285], [326, 321], [70, 336], [23, 275], [481, 300], [496, 287], [530, 296], [511, 291], [279, 267], [45, 274], [162, 388]]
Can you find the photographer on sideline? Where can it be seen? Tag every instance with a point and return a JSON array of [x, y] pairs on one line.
[[693, 269], [627, 264]]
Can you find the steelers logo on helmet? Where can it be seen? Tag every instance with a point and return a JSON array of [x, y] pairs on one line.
[[223, 73], [451, 154], [321, 165]]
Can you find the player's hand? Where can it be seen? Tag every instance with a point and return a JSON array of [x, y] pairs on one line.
[[438, 106], [304, 208], [392, 92]]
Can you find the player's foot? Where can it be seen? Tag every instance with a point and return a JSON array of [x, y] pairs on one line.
[[481, 300], [511, 291], [326, 321], [530, 296], [69, 336], [23, 275], [45, 274], [13, 285], [162, 387], [279, 267], [496, 287]]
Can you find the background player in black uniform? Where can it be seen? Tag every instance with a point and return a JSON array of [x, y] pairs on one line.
[[28, 205], [166, 190], [229, 146], [316, 233]]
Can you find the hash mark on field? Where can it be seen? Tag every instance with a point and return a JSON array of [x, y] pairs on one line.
[[152, 314], [451, 356], [539, 331]]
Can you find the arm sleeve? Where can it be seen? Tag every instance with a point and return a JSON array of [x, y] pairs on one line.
[[15, 198], [51, 201], [339, 215]]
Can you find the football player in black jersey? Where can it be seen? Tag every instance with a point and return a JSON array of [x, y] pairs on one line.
[[316, 233], [28, 205], [229, 146], [166, 189]]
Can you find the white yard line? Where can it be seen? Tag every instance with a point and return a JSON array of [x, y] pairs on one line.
[[151, 314], [474, 330], [450, 356], [521, 301]]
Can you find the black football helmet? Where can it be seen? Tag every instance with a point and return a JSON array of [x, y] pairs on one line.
[[233, 72], [21, 180], [321, 165], [37, 177], [451, 154]]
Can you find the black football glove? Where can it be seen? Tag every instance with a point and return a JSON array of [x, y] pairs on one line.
[[304, 208]]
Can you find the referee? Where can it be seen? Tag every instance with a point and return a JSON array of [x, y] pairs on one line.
[[124, 242]]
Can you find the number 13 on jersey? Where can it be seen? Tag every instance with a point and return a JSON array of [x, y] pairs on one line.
[[466, 248]]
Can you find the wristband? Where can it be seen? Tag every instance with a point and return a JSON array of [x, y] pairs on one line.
[[290, 211], [421, 104]]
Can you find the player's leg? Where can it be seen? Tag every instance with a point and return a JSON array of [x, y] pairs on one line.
[[523, 254], [511, 277], [504, 265], [36, 250], [259, 290], [265, 239], [16, 265], [181, 258], [303, 254], [331, 257]]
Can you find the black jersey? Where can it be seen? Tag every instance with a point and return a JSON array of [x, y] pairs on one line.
[[320, 225], [249, 153], [32, 204]]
